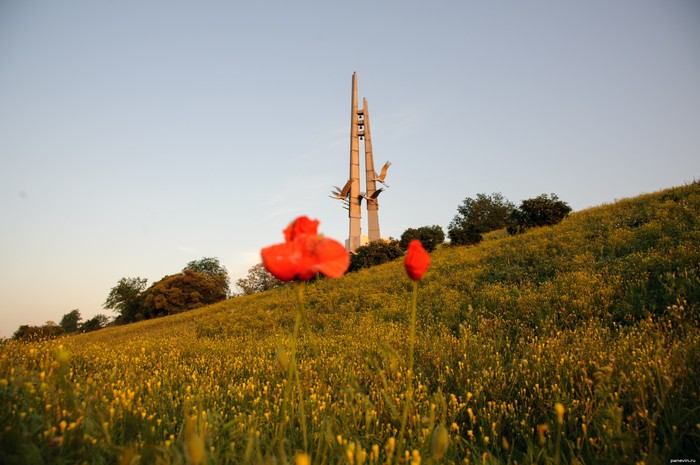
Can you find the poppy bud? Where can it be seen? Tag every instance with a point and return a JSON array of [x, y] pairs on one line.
[[417, 260]]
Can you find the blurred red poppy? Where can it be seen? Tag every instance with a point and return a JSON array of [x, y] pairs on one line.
[[417, 260], [302, 225], [305, 253]]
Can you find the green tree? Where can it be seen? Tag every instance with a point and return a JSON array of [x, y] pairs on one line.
[[126, 299], [430, 237], [464, 235], [25, 332], [480, 215], [71, 321], [258, 279], [183, 291], [211, 267], [99, 321], [542, 210], [49, 330], [375, 253]]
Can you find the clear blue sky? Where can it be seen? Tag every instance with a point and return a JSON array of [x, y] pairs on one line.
[[136, 136]]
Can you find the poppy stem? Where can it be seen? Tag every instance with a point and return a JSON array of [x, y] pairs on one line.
[[299, 294], [412, 340], [408, 395]]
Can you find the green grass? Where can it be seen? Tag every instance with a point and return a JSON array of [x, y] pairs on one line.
[[598, 314]]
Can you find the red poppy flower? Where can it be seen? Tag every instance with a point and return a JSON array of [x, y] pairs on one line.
[[302, 225], [305, 253], [417, 260]]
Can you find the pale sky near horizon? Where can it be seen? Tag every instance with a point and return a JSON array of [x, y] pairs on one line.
[[136, 136]]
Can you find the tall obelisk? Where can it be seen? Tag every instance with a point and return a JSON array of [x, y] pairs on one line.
[[354, 207], [370, 183], [350, 192]]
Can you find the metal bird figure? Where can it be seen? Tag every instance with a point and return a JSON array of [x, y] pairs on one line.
[[339, 193], [373, 197], [382, 175]]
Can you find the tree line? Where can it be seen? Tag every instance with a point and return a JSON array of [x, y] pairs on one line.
[[486, 213], [203, 282], [71, 322], [475, 217]]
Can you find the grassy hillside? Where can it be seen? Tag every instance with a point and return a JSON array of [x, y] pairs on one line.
[[578, 343]]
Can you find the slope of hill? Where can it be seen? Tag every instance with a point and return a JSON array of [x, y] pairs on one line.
[[578, 343]]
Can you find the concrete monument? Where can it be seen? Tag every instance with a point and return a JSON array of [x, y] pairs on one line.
[[350, 194]]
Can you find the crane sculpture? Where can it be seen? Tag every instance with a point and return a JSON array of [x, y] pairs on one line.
[[339, 193], [382, 175], [350, 194]]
